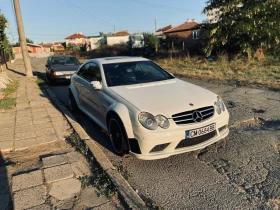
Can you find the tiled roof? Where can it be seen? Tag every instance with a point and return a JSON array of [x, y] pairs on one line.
[[184, 27], [76, 36], [46, 44], [164, 28], [57, 43], [122, 33]]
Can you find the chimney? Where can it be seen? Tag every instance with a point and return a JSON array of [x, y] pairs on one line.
[[193, 20], [188, 20]]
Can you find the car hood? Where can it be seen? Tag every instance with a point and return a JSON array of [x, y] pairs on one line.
[[166, 97], [65, 68]]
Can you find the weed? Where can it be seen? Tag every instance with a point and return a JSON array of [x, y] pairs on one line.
[[41, 82], [7, 103], [80, 145], [85, 181], [11, 88], [99, 179], [265, 73], [123, 171], [103, 183]]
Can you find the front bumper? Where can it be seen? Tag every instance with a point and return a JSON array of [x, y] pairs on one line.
[[172, 137]]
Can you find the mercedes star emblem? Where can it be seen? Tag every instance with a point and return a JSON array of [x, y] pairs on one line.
[[197, 116]]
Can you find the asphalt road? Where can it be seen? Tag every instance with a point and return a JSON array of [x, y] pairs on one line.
[[241, 171]]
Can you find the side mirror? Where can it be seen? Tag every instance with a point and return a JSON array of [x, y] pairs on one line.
[[96, 85], [47, 65]]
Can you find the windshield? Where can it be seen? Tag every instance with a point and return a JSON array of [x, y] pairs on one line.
[[134, 73], [65, 61]]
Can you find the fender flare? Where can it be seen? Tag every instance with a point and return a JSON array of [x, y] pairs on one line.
[[122, 112], [74, 91]]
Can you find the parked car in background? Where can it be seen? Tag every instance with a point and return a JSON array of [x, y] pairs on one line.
[[145, 110], [61, 67]]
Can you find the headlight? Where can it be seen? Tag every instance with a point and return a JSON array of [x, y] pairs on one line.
[[162, 121], [148, 120], [57, 73], [219, 105]]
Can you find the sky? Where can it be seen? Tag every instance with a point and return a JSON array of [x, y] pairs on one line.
[[54, 20]]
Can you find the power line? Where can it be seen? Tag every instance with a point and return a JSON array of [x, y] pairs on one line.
[[164, 6], [79, 9]]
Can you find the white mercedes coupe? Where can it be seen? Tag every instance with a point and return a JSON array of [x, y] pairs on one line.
[[145, 110]]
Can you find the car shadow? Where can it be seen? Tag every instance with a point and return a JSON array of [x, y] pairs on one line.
[[5, 201], [94, 131]]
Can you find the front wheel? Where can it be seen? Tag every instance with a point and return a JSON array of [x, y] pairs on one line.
[[117, 136]]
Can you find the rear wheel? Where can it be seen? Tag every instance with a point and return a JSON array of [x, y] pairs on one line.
[[117, 136], [72, 103]]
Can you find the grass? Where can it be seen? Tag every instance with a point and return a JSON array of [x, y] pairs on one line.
[[41, 83], [264, 73], [11, 88], [9, 101]]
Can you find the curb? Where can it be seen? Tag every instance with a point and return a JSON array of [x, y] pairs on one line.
[[131, 197]]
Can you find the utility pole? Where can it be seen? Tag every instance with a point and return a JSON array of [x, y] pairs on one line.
[[114, 29], [22, 40]]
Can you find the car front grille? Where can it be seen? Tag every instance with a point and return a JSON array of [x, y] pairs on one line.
[[196, 140], [193, 116]]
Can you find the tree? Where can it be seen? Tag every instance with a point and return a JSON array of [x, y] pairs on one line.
[[151, 41], [4, 42], [242, 26], [17, 44]]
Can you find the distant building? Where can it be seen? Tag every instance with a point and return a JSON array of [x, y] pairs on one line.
[[160, 32], [77, 39], [185, 35], [46, 46], [121, 37], [32, 48], [95, 41]]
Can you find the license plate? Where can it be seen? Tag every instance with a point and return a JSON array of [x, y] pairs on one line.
[[68, 77], [200, 131]]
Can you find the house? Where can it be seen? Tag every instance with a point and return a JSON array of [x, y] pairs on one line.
[[184, 36], [57, 46], [95, 41], [160, 32], [121, 37], [47, 47], [32, 48], [76, 39]]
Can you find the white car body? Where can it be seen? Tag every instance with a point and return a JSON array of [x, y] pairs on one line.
[[168, 98]]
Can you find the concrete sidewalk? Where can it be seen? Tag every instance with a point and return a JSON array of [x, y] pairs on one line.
[[53, 183]]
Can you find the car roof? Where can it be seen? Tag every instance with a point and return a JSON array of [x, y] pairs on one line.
[[56, 56], [118, 59]]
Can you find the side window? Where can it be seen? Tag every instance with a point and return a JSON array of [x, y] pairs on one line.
[[90, 72], [95, 72], [83, 70]]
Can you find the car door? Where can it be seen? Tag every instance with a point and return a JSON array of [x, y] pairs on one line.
[[79, 82], [92, 98]]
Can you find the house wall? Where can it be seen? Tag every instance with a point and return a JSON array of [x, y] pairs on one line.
[[94, 42], [16, 50], [111, 40], [76, 41], [179, 37]]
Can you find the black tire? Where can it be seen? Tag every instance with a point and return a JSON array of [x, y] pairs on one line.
[[72, 103], [117, 136]]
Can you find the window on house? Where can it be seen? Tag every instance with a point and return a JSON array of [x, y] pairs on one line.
[[195, 34]]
